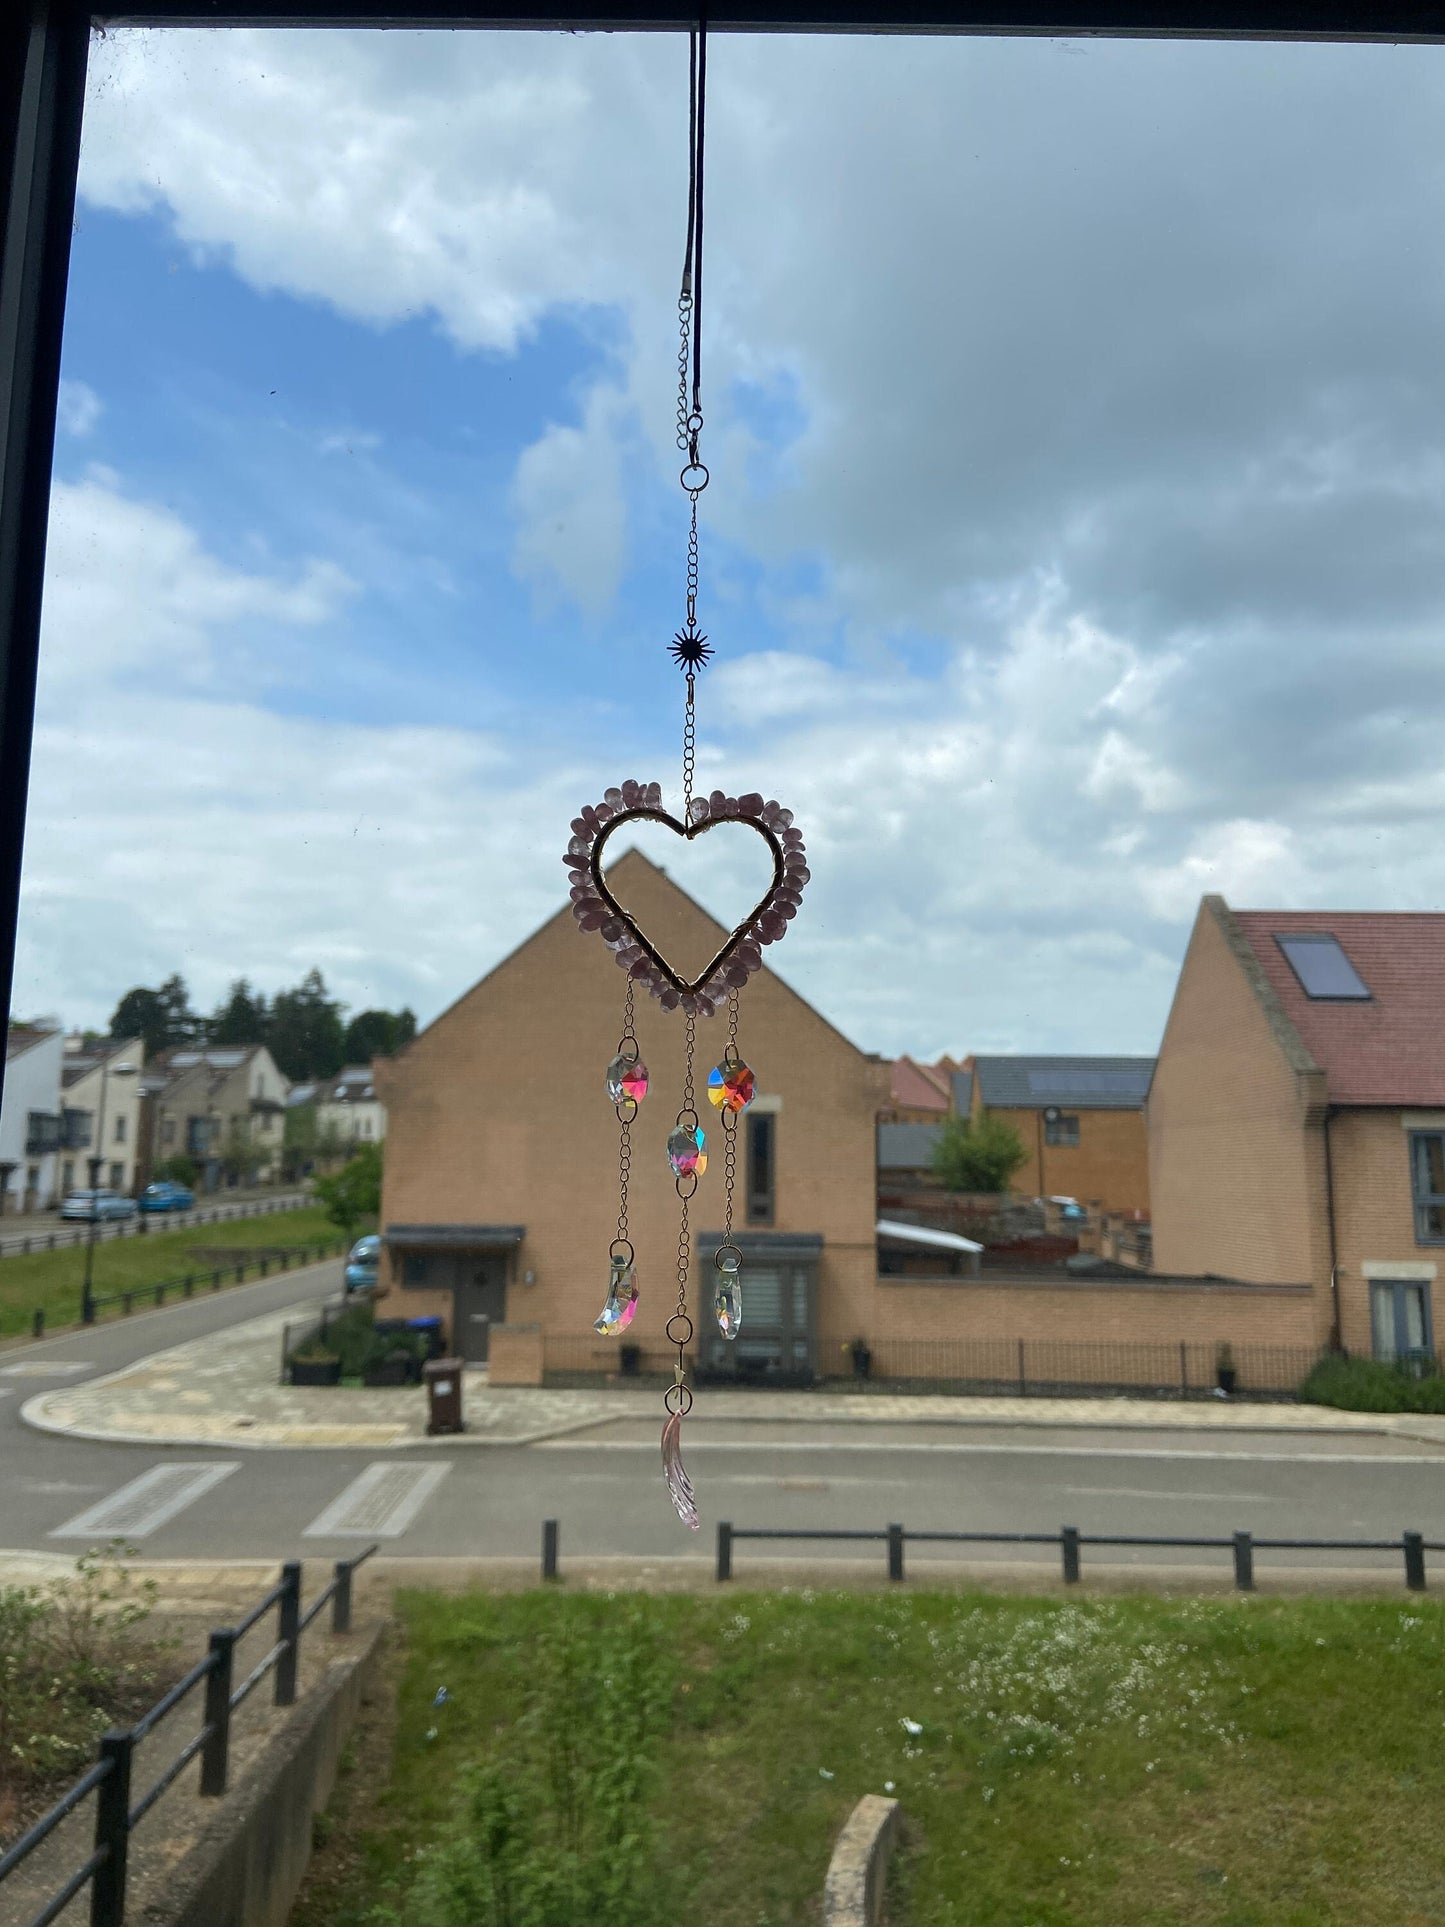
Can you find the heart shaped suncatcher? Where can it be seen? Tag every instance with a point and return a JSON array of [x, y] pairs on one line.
[[596, 908]]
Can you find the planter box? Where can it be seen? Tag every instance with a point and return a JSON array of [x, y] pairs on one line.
[[401, 1370], [320, 1371]]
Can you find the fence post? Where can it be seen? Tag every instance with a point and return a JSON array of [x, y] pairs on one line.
[[161, 1293], [288, 1631], [37, 1325], [215, 1281], [549, 1548], [1069, 1538], [1244, 1561], [1184, 1367], [112, 1830], [895, 1552], [1023, 1376], [241, 1273], [341, 1598], [724, 1550], [218, 1712], [189, 1285], [265, 1266], [1414, 1544], [125, 1303]]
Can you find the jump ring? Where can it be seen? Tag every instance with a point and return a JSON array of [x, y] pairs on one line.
[[620, 1245], [727, 1245], [683, 1335], [687, 1112], [622, 1051], [688, 478], [694, 422], [677, 1399], [626, 1110], [691, 1178]]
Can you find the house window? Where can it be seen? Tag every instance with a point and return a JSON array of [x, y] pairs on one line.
[[1427, 1174], [1061, 1127], [120, 1123], [1400, 1323], [1323, 969], [760, 1167], [415, 1271], [67, 1175]]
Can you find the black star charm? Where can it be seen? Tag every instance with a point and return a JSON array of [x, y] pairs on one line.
[[689, 648]]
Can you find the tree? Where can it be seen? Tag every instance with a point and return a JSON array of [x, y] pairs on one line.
[[163, 1017], [378, 1033], [979, 1154], [306, 1143], [241, 1019], [305, 1033], [353, 1192], [179, 1170]]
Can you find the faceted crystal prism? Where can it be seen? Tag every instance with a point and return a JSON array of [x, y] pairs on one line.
[[627, 1077], [685, 1153], [730, 1086], [727, 1296], [617, 1314]]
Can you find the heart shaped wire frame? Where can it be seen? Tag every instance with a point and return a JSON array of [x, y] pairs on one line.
[[595, 906]]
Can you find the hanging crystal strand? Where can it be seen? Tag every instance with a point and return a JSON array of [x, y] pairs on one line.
[[686, 1156], [730, 1088], [626, 1086]]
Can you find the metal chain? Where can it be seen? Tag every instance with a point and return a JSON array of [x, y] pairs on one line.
[[689, 748], [679, 1326], [730, 1126], [684, 325], [626, 1111]]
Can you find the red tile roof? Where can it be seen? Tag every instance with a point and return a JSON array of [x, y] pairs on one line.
[[921, 1087], [1391, 1049]]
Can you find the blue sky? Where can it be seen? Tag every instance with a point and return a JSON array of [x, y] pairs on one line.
[[1074, 545]]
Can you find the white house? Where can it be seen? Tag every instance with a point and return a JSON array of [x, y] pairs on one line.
[[105, 1077], [348, 1107], [33, 1121]]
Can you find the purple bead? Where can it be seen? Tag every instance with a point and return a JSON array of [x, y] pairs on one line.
[[785, 817], [590, 919], [640, 969], [613, 799], [749, 805], [699, 810], [669, 998], [736, 974], [791, 839], [654, 796], [786, 909], [748, 953], [613, 929]]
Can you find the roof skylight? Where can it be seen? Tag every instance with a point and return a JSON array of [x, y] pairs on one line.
[[1323, 969]]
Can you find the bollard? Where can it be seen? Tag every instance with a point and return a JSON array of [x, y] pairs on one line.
[[724, 1550], [1244, 1561], [215, 1281], [341, 1598], [37, 1325], [218, 1713], [288, 1632], [1414, 1544], [549, 1548], [112, 1830], [1070, 1541], [161, 1293], [1023, 1375], [1183, 1368], [895, 1552], [125, 1303], [188, 1285]]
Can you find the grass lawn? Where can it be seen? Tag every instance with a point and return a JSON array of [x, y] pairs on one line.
[[50, 1280], [630, 1760]]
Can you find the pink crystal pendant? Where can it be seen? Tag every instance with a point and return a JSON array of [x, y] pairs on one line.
[[685, 1151], [731, 1086], [627, 1079]]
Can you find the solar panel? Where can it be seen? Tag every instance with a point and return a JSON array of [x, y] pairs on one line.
[[1087, 1083], [1322, 967]]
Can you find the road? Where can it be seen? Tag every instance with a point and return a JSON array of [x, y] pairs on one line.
[[60, 1494], [48, 1231]]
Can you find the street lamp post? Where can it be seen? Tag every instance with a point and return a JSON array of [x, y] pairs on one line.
[[96, 1163]]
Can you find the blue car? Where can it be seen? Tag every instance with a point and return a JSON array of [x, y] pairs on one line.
[[166, 1196], [364, 1264]]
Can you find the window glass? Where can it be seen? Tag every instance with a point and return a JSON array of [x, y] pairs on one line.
[[1063, 1129], [760, 1167], [1427, 1167], [1322, 967], [762, 1296]]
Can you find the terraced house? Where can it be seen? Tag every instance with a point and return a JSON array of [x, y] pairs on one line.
[[1297, 1119]]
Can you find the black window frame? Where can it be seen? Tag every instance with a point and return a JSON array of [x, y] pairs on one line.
[[1322, 940], [760, 1200], [44, 47], [1423, 1202], [1061, 1131]]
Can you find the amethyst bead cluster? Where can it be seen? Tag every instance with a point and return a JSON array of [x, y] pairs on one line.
[[744, 953]]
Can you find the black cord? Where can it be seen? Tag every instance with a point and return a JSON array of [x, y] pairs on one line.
[[692, 263]]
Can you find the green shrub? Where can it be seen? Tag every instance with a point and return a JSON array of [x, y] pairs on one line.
[[978, 1154], [1371, 1385], [352, 1337]]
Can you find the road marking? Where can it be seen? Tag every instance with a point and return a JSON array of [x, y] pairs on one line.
[[1152, 1492], [146, 1503], [380, 1503], [46, 1368], [1075, 1452]]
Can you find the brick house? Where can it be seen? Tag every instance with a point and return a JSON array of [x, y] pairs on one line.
[[1297, 1116], [1081, 1121], [500, 1188], [926, 1093], [219, 1105]]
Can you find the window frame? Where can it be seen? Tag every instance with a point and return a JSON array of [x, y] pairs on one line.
[[1433, 1200], [765, 1211], [1054, 1126]]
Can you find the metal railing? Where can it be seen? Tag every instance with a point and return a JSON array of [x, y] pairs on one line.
[[205, 1278], [117, 1812], [76, 1231], [1412, 1546]]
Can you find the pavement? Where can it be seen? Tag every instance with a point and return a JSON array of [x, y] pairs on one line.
[[200, 1394], [145, 1428]]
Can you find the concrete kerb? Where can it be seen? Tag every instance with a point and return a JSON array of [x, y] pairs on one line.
[[858, 1870]]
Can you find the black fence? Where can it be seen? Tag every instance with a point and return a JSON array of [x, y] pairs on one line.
[[187, 1284], [1009, 1367], [118, 1812], [1411, 1546], [77, 1231]]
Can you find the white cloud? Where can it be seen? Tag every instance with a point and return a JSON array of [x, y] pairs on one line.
[[569, 502], [79, 408]]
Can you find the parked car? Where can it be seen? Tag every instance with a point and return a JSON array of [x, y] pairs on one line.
[[165, 1196], [364, 1264], [96, 1206]]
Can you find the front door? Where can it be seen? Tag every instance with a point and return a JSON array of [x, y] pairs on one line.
[[480, 1301]]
